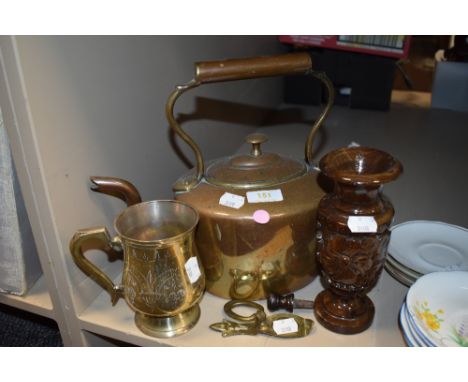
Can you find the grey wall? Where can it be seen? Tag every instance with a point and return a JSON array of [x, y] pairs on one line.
[[97, 108]]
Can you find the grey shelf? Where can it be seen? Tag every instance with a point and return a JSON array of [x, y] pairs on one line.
[[117, 322], [36, 300]]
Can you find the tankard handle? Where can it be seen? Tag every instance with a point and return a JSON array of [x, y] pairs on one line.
[[240, 69], [101, 236]]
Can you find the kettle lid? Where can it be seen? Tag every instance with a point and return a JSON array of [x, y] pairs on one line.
[[253, 170]]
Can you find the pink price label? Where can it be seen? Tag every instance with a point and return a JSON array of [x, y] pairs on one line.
[[261, 216]]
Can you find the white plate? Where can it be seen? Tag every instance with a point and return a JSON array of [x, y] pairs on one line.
[[403, 269], [408, 334], [397, 275], [437, 304], [428, 246], [418, 338], [416, 332]]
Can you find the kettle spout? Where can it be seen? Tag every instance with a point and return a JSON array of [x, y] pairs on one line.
[[119, 188]]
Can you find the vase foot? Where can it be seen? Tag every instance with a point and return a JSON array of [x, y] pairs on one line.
[[330, 312], [166, 327]]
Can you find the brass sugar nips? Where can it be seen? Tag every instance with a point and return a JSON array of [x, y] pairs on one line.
[[284, 325]]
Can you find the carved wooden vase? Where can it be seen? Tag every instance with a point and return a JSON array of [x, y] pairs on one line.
[[352, 235]]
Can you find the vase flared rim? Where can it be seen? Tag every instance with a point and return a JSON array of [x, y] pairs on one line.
[[360, 165]]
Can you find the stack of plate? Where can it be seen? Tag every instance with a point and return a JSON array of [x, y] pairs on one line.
[[410, 335], [435, 312], [420, 247]]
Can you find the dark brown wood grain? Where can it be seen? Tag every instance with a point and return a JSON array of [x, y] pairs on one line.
[[239, 69], [276, 302], [351, 263], [287, 302]]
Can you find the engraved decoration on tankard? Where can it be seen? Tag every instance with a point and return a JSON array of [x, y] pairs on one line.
[[163, 279]]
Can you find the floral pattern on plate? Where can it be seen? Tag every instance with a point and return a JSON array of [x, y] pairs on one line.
[[430, 320], [438, 307], [460, 333]]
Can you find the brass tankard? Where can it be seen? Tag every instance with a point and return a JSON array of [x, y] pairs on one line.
[[163, 279]]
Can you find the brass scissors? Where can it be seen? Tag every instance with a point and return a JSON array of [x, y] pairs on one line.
[[284, 325]]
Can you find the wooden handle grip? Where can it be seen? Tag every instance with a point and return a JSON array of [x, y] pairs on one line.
[[241, 69], [276, 301], [287, 302]]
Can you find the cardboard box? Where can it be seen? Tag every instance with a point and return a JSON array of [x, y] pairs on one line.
[[19, 262]]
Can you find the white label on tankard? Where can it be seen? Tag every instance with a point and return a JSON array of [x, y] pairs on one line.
[[232, 200], [264, 196], [288, 325], [193, 270], [362, 224]]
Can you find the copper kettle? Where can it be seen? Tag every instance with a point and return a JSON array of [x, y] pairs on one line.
[[256, 233]]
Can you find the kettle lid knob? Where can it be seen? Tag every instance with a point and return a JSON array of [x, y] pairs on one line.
[[256, 139]]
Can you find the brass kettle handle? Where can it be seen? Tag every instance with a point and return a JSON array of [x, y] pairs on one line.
[[101, 236], [240, 69]]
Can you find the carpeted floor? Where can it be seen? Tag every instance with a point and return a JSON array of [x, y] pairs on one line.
[[19, 328]]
